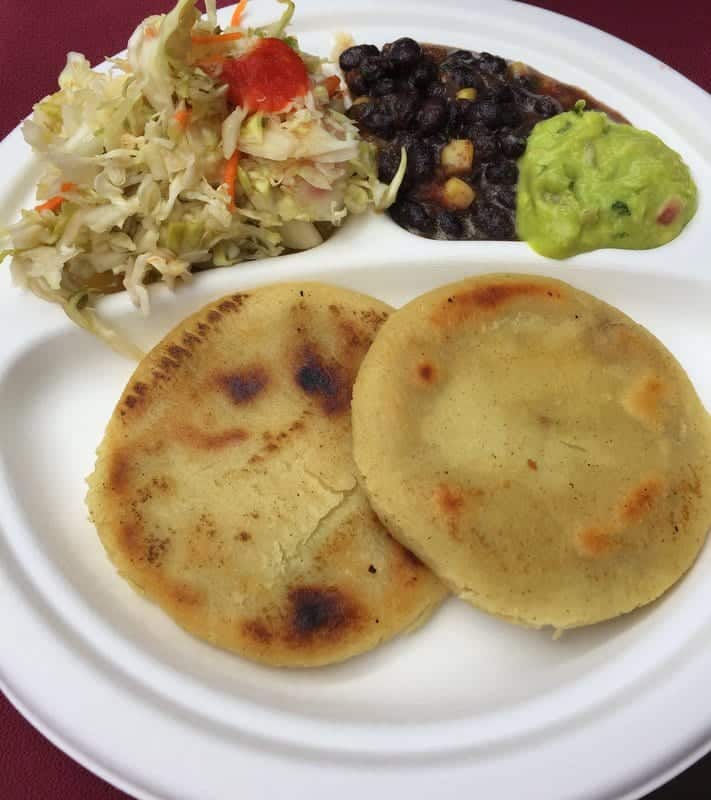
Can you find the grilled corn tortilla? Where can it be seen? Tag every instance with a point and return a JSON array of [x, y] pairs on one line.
[[225, 488], [544, 454]]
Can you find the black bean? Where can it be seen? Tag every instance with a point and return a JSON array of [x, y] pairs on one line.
[[382, 124], [486, 147], [402, 107], [359, 110], [437, 90], [449, 224], [547, 107], [406, 138], [494, 223], [509, 115], [407, 105], [378, 119], [404, 53], [384, 86], [413, 216], [462, 115], [373, 68], [464, 78], [491, 64], [503, 195], [356, 83], [388, 162], [420, 163], [512, 145], [487, 112], [525, 100], [352, 57], [504, 94], [459, 58], [503, 171], [433, 115], [423, 73]]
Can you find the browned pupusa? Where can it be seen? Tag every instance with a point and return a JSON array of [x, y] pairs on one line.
[[545, 455], [225, 488]]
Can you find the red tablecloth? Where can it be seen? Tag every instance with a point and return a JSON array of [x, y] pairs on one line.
[[34, 38]]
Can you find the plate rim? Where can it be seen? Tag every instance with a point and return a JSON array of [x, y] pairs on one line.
[[107, 773]]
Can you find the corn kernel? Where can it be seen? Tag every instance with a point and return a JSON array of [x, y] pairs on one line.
[[468, 93], [457, 156], [457, 194]]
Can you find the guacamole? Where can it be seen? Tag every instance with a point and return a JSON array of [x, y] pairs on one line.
[[586, 182]]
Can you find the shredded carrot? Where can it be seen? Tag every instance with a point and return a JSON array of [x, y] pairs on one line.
[[230, 177], [215, 58], [215, 38], [55, 202], [237, 13], [182, 117], [50, 205], [332, 85], [150, 33]]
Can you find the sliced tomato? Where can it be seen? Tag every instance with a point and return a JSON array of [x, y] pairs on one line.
[[267, 78]]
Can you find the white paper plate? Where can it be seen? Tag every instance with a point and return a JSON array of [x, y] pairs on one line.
[[469, 705]]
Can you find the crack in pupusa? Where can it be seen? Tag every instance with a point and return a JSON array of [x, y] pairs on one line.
[[323, 522], [286, 552], [324, 484]]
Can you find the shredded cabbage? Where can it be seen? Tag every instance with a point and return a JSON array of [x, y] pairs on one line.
[[133, 168]]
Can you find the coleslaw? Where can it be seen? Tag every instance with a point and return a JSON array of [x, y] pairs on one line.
[[153, 171]]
